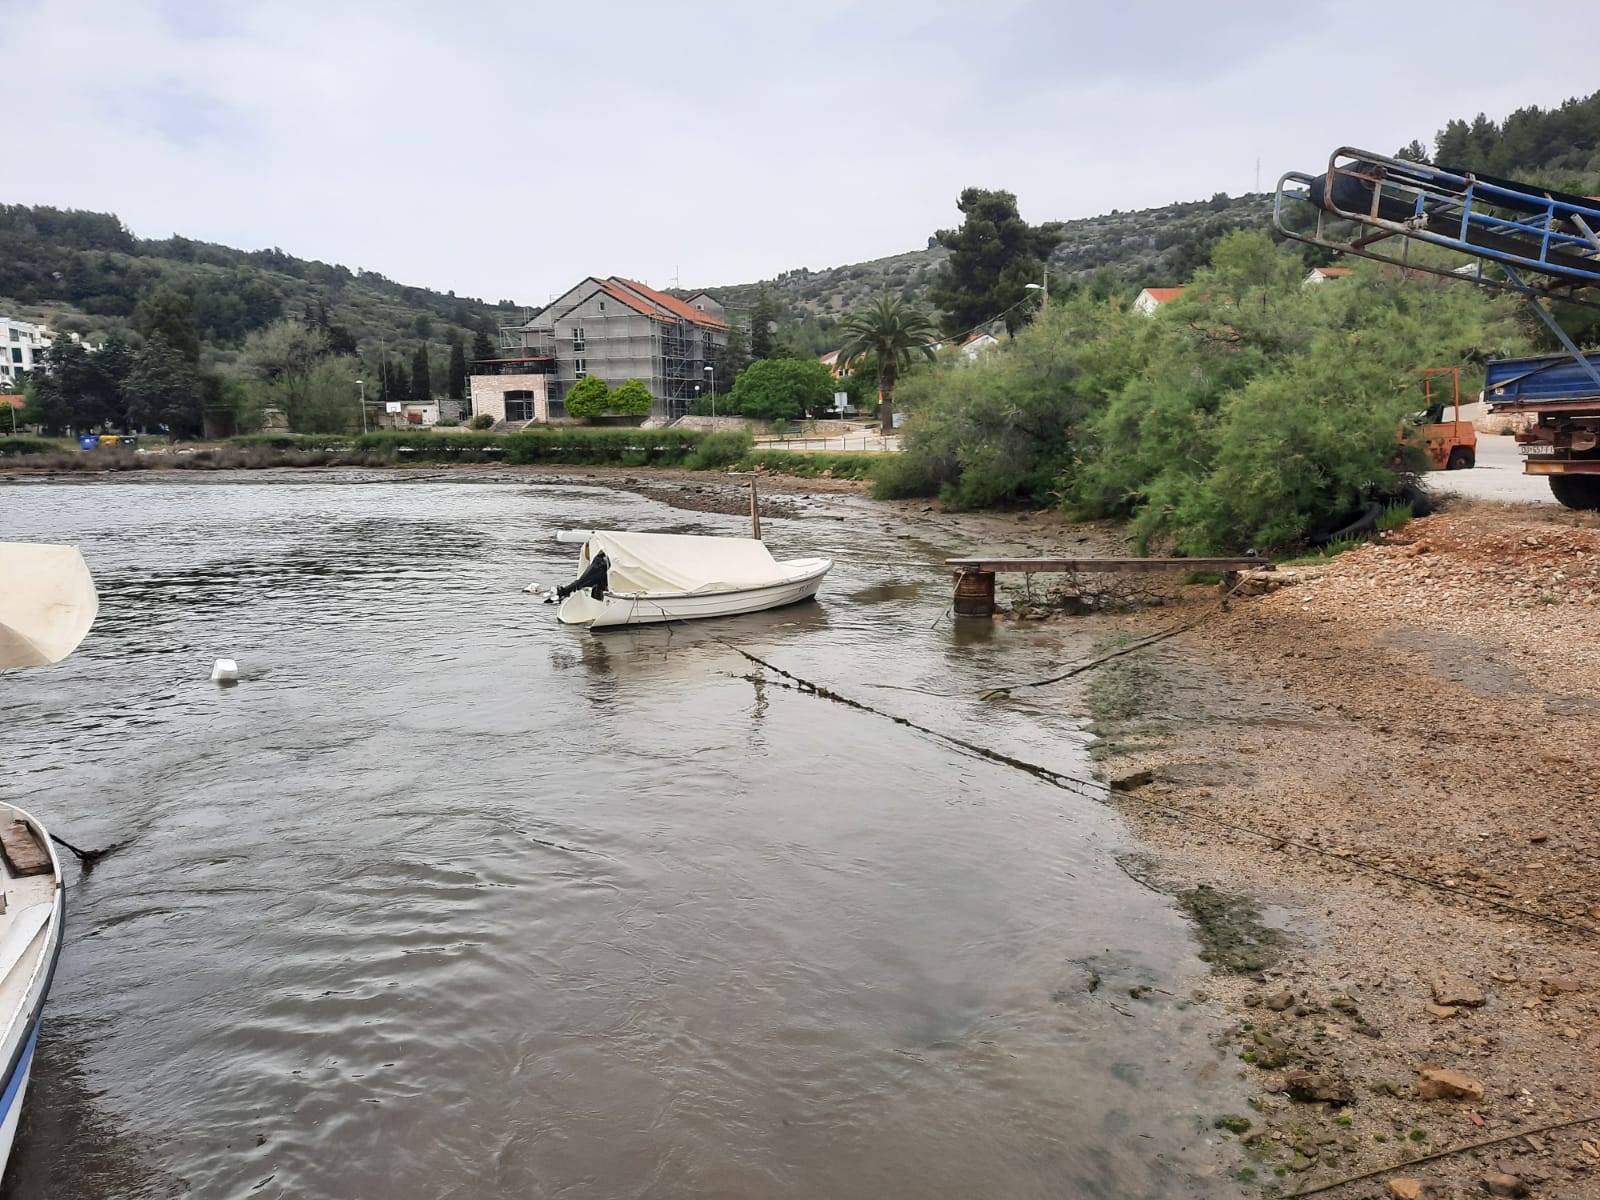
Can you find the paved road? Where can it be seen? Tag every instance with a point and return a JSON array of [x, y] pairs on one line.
[[1498, 475]]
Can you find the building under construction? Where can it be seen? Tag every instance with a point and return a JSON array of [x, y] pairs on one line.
[[617, 329]]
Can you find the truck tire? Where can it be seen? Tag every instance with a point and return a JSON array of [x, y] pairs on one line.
[[1461, 458], [1576, 491]]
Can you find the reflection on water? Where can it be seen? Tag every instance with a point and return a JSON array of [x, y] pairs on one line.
[[446, 899], [882, 593]]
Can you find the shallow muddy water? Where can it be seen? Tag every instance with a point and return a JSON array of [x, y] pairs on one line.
[[446, 900]]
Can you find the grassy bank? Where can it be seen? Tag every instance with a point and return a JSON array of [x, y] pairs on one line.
[[685, 449]]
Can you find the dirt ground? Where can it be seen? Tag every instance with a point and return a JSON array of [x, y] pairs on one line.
[[1418, 710]]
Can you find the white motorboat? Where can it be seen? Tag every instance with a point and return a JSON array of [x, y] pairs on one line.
[[47, 604], [642, 578], [30, 940]]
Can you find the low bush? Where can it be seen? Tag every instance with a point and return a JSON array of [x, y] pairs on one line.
[[721, 449], [600, 447], [406, 445], [481, 421], [835, 466], [292, 441], [10, 446], [906, 475]]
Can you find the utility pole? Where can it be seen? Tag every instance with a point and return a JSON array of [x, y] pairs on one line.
[[362, 384], [711, 377]]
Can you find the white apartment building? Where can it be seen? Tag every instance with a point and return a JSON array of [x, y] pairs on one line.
[[22, 347]]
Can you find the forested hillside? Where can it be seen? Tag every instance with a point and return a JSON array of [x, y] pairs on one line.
[[85, 272], [1159, 246], [1558, 147]]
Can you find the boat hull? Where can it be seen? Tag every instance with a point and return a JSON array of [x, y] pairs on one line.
[[582, 609], [31, 969]]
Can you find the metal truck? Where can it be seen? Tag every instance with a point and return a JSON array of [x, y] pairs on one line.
[[1562, 439]]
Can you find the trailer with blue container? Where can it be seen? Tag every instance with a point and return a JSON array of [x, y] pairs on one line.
[[1537, 243], [1562, 401]]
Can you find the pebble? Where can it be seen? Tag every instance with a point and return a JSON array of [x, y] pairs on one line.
[[1443, 1083], [1456, 992], [1498, 1183]]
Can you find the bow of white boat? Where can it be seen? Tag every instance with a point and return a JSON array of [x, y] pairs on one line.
[[34, 908]]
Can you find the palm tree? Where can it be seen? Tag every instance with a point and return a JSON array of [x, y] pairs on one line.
[[894, 333]]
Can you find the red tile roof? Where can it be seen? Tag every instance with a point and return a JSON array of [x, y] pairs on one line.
[[1334, 272], [618, 292], [678, 308], [1164, 295]]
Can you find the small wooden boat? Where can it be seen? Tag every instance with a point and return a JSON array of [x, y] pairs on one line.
[[30, 940], [642, 578]]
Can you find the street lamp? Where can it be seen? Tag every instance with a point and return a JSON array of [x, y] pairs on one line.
[[362, 384], [1044, 288], [711, 380]]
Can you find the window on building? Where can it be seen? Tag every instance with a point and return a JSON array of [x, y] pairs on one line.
[[16, 335], [580, 367], [578, 342], [519, 406], [16, 355]]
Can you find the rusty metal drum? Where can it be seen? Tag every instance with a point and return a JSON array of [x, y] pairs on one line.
[[974, 594]]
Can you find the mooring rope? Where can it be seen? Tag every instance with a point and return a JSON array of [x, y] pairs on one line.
[[1438, 1154], [1096, 790], [996, 693]]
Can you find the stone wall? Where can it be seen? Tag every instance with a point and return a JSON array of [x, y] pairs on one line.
[[489, 394]]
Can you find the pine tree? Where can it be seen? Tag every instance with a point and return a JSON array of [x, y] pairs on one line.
[[169, 314], [1451, 146], [482, 346], [421, 376], [993, 257], [458, 372], [763, 314]]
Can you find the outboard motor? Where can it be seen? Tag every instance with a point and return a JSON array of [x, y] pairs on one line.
[[594, 578]]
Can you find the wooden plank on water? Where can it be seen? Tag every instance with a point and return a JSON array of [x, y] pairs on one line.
[[23, 853], [1113, 566]]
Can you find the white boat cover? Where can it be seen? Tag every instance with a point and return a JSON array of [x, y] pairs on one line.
[[678, 564], [47, 603]]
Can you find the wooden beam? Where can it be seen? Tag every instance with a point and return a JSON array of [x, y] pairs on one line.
[[1114, 566]]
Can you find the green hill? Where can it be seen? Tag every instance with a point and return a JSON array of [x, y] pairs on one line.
[[84, 272], [1152, 246]]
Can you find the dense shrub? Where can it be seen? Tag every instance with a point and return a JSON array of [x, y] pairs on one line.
[[778, 389], [631, 399], [481, 421], [625, 447], [720, 449], [405, 445], [10, 446], [588, 397], [856, 465], [293, 441], [1248, 413], [1001, 430]]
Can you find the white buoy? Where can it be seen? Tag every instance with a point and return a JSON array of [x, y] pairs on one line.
[[225, 670]]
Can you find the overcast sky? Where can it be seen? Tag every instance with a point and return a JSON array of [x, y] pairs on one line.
[[507, 150]]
